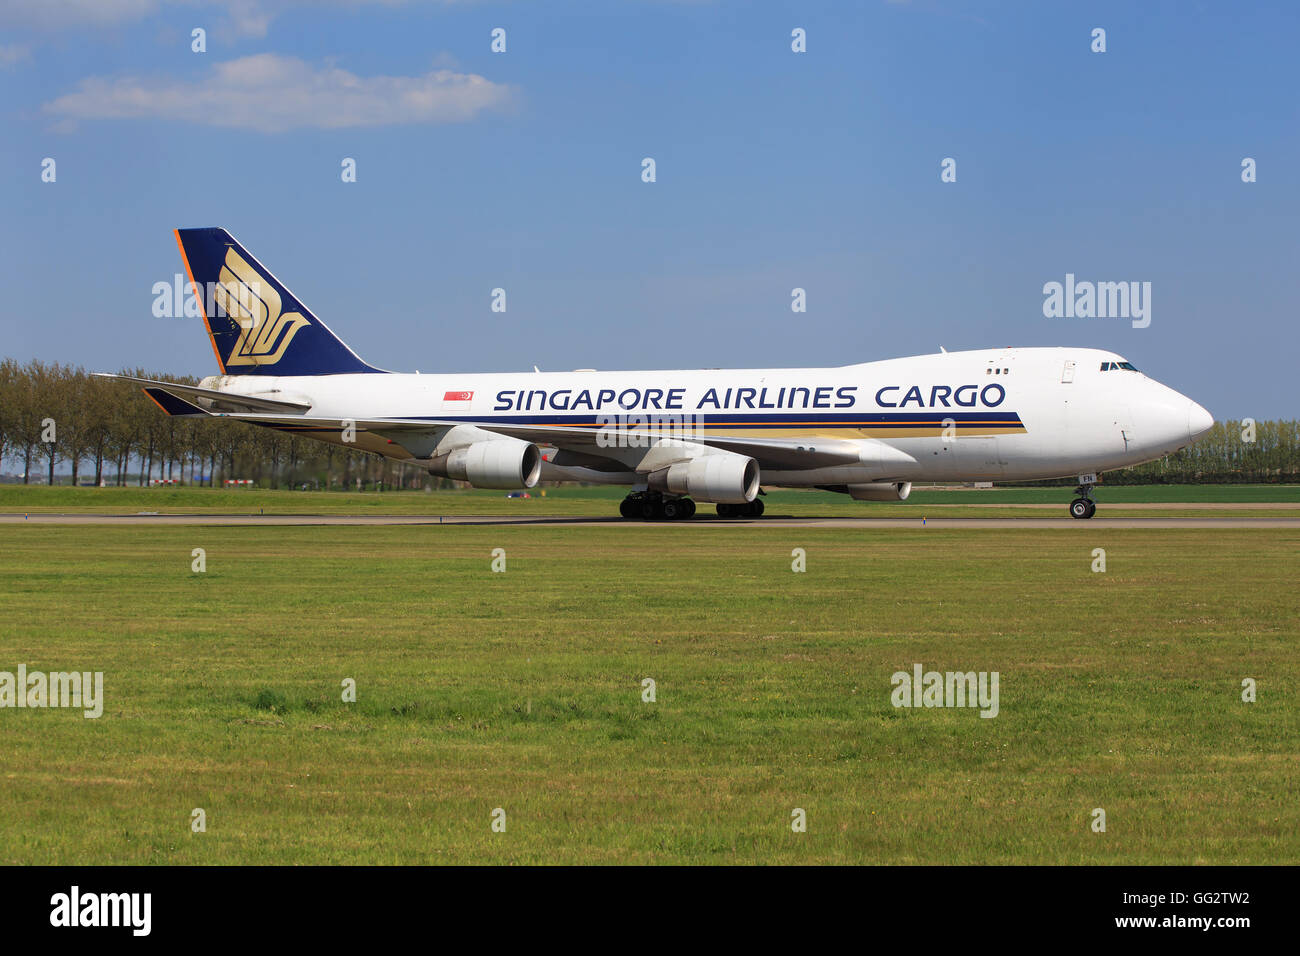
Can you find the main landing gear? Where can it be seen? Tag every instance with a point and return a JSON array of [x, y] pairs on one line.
[[752, 509], [652, 506], [1083, 506]]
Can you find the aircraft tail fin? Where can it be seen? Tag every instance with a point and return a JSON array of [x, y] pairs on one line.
[[257, 326]]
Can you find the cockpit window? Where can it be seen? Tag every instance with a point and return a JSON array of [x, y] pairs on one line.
[[1115, 366]]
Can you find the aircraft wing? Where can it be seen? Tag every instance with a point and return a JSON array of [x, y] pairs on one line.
[[769, 452], [414, 432], [416, 435]]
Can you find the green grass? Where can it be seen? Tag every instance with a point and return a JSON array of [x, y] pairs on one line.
[[522, 690], [569, 500]]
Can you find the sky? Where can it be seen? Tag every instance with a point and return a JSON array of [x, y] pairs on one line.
[[774, 170]]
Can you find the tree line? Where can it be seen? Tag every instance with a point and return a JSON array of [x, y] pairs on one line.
[[56, 416]]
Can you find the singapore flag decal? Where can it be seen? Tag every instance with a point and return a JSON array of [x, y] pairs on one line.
[[457, 401]]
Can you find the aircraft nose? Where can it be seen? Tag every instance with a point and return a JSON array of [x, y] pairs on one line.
[[1199, 421]]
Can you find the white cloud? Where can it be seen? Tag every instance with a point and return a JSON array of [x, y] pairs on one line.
[[274, 93], [248, 17], [75, 14], [245, 17], [12, 55]]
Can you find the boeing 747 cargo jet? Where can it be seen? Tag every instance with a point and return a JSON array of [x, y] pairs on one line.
[[678, 437]]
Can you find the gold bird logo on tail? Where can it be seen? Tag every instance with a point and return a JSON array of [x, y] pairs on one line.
[[255, 306]]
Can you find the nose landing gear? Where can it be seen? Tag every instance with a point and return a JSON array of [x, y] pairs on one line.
[[1083, 506]]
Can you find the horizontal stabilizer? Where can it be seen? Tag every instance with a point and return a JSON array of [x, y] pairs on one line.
[[170, 404], [214, 399]]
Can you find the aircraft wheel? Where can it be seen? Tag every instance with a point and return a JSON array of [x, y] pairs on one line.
[[1092, 509], [649, 509], [689, 507], [755, 508], [673, 510], [1082, 508], [726, 510], [628, 509]]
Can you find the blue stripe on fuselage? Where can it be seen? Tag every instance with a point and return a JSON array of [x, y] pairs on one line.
[[750, 421]]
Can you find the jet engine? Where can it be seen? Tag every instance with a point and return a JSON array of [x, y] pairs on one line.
[[880, 491], [500, 463], [723, 477]]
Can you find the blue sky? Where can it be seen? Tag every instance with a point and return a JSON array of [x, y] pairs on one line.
[[775, 170]]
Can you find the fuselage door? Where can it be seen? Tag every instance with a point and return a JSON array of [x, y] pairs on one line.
[[1067, 373]]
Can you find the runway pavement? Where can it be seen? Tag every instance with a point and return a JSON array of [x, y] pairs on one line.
[[701, 521]]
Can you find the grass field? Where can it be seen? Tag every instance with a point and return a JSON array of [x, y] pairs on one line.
[[1280, 500], [522, 690]]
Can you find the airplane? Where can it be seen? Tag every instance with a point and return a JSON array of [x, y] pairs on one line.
[[678, 437]]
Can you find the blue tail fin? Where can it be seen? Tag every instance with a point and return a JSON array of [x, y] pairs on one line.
[[257, 326]]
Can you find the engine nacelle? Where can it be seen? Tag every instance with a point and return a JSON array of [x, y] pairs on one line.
[[881, 491], [501, 463], [722, 478]]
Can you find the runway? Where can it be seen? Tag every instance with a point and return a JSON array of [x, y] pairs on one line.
[[702, 521]]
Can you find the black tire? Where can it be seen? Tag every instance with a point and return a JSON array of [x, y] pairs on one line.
[[649, 509], [627, 508], [755, 508], [1092, 509], [1079, 508], [726, 511], [672, 510], [689, 505]]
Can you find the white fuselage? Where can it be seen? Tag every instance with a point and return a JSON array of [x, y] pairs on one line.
[[997, 414]]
